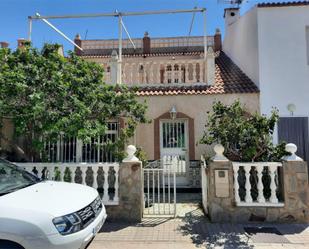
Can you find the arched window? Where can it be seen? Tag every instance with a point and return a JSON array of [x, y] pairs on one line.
[[108, 69], [176, 67], [169, 68]]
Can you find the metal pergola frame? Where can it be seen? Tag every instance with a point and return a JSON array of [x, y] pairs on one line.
[[121, 26]]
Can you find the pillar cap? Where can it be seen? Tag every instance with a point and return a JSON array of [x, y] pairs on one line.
[[131, 150], [219, 157], [291, 148]]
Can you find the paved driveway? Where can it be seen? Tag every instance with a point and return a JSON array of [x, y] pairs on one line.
[[195, 231]]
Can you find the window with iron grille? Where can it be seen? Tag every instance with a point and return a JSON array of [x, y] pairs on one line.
[[70, 149]]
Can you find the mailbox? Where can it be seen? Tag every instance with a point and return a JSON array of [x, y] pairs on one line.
[[222, 183]]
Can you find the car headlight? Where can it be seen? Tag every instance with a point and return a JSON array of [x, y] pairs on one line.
[[68, 224]]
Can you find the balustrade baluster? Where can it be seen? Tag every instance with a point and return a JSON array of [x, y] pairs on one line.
[[236, 184], [105, 196], [84, 169], [260, 185], [62, 170], [273, 186], [95, 176], [248, 197], [116, 197]]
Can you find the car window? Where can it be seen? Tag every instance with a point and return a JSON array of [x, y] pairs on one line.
[[13, 178]]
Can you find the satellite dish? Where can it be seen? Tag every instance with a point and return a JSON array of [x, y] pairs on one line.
[[291, 108]]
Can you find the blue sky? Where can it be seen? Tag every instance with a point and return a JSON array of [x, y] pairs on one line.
[[14, 13]]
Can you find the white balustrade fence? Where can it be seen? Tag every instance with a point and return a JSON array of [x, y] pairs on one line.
[[101, 176], [258, 184]]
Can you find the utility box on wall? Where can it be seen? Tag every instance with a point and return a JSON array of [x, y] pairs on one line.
[[222, 183]]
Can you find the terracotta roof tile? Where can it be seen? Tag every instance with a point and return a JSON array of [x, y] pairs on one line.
[[283, 4], [228, 79]]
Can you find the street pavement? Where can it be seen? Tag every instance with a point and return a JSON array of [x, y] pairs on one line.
[[191, 229]]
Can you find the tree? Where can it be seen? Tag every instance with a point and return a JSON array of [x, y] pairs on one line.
[[46, 94], [246, 137]]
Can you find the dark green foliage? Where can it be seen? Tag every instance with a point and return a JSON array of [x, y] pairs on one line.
[[142, 156], [246, 137], [46, 94]]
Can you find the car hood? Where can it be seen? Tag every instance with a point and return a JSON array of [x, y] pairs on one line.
[[54, 198]]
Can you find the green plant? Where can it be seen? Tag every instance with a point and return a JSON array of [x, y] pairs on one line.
[[45, 94], [142, 156], [246, 137]]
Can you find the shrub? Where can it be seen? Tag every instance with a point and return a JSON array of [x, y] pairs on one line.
[[246, 137]]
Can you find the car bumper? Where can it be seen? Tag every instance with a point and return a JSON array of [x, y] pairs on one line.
[[79, 240]]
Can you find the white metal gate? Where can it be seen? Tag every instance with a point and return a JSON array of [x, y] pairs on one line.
[[159, 189]]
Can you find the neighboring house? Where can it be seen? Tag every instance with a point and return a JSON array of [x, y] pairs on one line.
[[179, 85], [270, 43]]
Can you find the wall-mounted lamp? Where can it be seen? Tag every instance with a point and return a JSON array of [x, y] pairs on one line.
[[173, 113], [291, 108]]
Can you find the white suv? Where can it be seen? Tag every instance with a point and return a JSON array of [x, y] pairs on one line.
[[38, 214]]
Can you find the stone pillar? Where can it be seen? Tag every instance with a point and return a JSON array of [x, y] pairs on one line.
[[4, 44], [217, 41], [296, 187], [78, 42], [146, 43], [21, 42], [131, 190], [114, 68], [210, 67]]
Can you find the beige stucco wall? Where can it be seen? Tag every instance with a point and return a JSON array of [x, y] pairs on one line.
[[195, 106]]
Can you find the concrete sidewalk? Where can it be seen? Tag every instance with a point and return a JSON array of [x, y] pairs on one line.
[[195, 231]]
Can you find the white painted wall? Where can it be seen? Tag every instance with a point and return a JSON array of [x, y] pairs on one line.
[[269, 45], [241, 43], [283, 67]]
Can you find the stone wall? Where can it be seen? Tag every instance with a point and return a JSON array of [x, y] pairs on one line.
[[296, 197], [130, 206]]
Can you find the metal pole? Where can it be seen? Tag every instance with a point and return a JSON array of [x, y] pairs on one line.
[[125, 29], [119, 68], [191, 25], [116, 14], [59, 32], [205, 35], [205, 48], [30, 28]]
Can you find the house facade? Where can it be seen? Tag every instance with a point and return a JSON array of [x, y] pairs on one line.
[[179, 85], [270, 43]]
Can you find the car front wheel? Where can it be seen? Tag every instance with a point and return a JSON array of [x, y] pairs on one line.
[[6, 244]]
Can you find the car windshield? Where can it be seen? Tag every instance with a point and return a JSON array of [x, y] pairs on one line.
[[13, 178]]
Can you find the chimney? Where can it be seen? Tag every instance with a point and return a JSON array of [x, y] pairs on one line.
[[146, 43], [4, 44], [78, 41], [210, 66], [21, 42], [217, 41], [231, 15]]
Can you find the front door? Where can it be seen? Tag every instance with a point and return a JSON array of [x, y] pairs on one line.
[[174, 145]]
